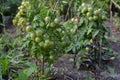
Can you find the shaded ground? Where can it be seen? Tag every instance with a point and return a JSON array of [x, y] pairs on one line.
[[64, 70]]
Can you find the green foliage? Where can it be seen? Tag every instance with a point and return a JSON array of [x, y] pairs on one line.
[[4, 64], [46, 37], [90, 43], [116, 21], [118, 1], [12, 58]]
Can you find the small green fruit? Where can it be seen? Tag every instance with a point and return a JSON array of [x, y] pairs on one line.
[[83, 4], [96, 12], [39, 32], [72, 19], [87, 49], [42, 24], [37, 39], [103, 17], [32, 35], [57, 20], [95, 17], [47, 19], [91, 41], [84, 10], [99, 10], [41, 44], [76, 20], [90, 9], [88, 14], [90, 18], [51, 57], [28, 28], [52, 24]]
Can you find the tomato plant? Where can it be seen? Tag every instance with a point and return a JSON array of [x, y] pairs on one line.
[[90, 44], [45, 36]]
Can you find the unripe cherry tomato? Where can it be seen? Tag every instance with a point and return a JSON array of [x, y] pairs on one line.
[[88, 14], [42, 24], [57, 20], [83, 4], [90, 18], [39, 32], [32, 35], [87, 49], [90, 9], [28, 28], [95, 17], [47, 19], [37, 39]]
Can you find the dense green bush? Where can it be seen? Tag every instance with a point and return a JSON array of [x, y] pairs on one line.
[[46, 37], [90, 44]]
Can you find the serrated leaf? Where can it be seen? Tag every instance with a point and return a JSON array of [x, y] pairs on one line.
[[4, 64], [91, 24], [81, 21], [22, 75], [64, 2], [95, 33], [89, 31], [29, 71], [69, 48]]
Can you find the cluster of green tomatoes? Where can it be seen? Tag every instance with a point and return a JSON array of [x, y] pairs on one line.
[[91, 13], [47, 33], [20, 18]]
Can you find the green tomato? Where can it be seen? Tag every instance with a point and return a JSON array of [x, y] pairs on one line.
[[76, 20], [63, 32], [41, 44], [51, 57], [72, 20], [39, 32], [37, 39], [47, 19], [57, 20], [99, 10], [83, 4], [103, 17], [96, 12], [91, 41], [42, 24], [84, 10], [90, 9], [87, 49], [95, 17], [45, 45], [90, 18], [59, 29], [46, 36], [32, 35], [52, 24], [78, 10], [47, 41], [88, 14], [72, 30], [28, 28]]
